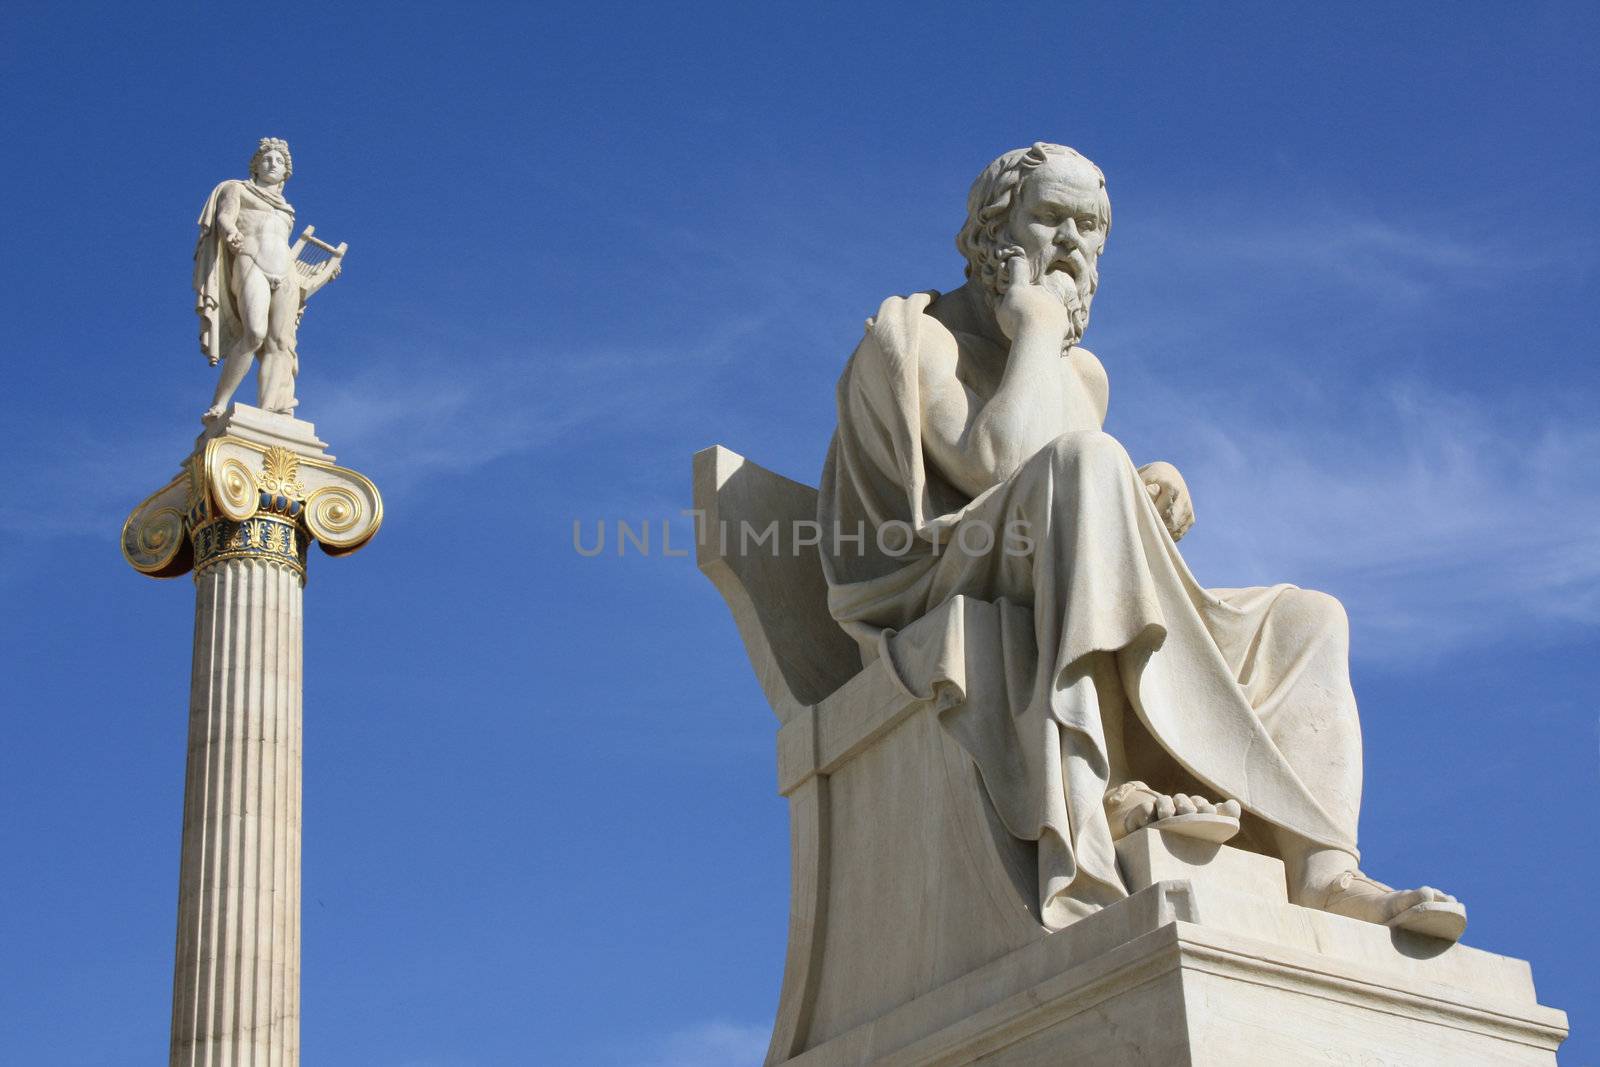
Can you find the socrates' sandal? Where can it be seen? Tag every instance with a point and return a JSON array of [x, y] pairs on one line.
[[1442, 917], [1435, 919], [1127, 801]]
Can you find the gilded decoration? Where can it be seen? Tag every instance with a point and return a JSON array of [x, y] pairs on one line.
[[235, 489], [238, 499], [334, 514], [277, 478], [153, 540], [265, 538]]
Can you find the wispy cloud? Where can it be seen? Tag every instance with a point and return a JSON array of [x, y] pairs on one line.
[[1313, 250], [1442, 518], [709, 1044], [436, 416], [86, 483], [1372, 255], [1440, 521]]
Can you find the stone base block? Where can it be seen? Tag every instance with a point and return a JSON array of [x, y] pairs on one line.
[[265, 428], [1149, 856], [1212, 970]]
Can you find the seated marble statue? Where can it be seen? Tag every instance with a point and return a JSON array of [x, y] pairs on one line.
[[970, 448]]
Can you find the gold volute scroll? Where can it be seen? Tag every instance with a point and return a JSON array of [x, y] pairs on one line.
[[343, 517], [233, 489], [154, 538]]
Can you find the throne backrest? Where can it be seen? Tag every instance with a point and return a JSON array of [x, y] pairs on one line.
[[750, 545]]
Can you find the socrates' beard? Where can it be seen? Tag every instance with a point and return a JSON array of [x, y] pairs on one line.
[[1072, 279]]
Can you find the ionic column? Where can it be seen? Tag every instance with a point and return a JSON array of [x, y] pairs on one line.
[[256, 491]]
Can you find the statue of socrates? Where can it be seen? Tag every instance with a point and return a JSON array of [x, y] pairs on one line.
[[970, 427]]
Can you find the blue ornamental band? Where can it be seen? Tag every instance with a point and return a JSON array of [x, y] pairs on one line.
[[266, 537]]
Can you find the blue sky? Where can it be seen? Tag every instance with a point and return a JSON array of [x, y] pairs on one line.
[[1350, 292]]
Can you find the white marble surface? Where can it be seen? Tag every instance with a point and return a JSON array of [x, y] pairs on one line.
[[250, 423], [1150, 856], [236, 979]]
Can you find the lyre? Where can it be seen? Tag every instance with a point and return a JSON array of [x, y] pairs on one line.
[[315, 261]]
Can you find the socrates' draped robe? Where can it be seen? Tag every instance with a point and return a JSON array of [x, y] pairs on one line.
[[1210, 673]]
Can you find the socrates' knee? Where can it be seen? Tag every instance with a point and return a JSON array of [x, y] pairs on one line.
[[1085, 451], [1313, 612]]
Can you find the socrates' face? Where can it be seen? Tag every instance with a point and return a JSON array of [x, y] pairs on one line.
[[272, 166], [1059, 222]]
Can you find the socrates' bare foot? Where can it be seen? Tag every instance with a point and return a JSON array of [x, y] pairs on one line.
[[1425, 910], [216, 411], [1134, 806]]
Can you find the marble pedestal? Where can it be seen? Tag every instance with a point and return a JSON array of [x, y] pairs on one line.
[[1207, 964], [257, 489]]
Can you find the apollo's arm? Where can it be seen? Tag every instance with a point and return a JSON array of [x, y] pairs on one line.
[[228, 217]]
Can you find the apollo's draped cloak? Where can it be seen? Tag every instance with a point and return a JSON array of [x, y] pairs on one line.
[[1103, 575], [214, 263]]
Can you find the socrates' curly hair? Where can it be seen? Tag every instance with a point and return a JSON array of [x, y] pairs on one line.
[[267, 145], [991, 199]]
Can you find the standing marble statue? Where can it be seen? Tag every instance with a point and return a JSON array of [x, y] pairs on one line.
[[251, 285], [970, 422]]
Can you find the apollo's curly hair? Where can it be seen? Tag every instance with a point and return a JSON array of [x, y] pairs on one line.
[[267, 145], [990, 201]]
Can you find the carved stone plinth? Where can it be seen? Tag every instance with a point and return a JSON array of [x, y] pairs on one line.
[[1215, 969], [249, 500]]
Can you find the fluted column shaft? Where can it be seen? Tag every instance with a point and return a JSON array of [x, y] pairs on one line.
[[236, 983]]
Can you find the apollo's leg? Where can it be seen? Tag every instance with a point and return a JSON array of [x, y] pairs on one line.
[[1299, 681], [254, 297], [277, 355]]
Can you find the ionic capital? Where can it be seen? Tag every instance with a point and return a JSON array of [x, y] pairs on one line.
[[237, 498]]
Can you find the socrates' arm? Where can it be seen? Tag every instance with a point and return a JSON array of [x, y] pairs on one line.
[[979, 444]]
